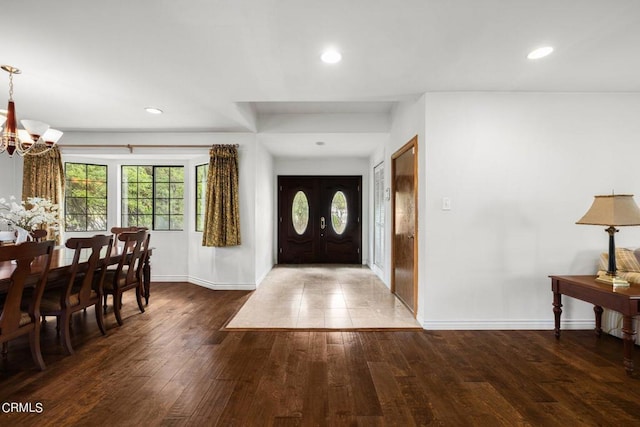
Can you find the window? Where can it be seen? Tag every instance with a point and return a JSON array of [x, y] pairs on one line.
[[153, 197], [378, 215], [300, 212], [339, 212], [85, 197], [202, 171]]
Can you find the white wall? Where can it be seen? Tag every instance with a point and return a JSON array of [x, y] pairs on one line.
[[297, 123], [520, 169], [10, 176], [327, 166], [265, 213]]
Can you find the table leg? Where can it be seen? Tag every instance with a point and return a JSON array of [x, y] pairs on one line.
[[628, 335], [598, 310], [146, 278], [557, 311]]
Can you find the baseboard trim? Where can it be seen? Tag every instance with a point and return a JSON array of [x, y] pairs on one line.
[[221, 286], [205, 283], [167, 278], [478, 325], [259, 281]]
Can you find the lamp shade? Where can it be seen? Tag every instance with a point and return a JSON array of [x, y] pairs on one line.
[[35, 128], [52, 136], [612, 210]]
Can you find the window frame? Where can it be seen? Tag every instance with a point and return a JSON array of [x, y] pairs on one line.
[[153, 199], [86, 197]]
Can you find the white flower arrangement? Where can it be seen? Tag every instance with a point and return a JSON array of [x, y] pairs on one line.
[[41, 211]]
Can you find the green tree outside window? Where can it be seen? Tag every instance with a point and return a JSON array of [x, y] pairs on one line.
[[85, 197], [153, 197]]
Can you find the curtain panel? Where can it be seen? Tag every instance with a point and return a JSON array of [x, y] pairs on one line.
[[43, 176], [222, 211]]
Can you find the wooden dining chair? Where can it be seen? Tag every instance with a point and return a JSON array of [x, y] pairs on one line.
[[21, 310], [39, 235], [128, 274], [82, 287], [117, 231]]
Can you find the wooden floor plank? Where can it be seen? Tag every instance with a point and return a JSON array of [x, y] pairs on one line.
[[394, 407], [364, 393]]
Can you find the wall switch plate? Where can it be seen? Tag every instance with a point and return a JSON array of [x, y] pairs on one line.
[[446, 203]]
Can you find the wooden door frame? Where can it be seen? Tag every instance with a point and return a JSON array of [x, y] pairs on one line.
[[412, 144]]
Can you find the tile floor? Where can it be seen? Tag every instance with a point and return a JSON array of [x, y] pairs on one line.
[[322, 297]]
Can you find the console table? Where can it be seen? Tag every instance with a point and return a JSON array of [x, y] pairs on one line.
[[585, 288]]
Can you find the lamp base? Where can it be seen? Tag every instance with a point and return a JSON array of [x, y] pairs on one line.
[[615, 281]]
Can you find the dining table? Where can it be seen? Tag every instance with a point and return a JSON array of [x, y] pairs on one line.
[[61, 260]]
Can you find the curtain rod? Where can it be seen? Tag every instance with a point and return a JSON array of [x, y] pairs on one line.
[[130, 147]]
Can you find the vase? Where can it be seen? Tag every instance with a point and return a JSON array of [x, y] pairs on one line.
[[22, 235]]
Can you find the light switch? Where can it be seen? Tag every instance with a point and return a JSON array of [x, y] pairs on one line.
[[446, 203]]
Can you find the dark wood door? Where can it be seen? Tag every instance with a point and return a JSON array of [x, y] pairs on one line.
[[405, 246], [319, 219]]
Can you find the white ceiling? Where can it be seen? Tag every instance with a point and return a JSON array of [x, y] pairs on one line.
[[214, 65]]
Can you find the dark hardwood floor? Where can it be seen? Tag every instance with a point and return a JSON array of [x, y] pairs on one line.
[[173, 365]]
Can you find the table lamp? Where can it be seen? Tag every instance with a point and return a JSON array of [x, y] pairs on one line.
[[616, 210]]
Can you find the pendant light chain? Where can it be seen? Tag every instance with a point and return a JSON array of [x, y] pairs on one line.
[[10, 85]]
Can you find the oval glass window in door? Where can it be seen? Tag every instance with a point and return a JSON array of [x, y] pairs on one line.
[[300, 212], [339, 213]]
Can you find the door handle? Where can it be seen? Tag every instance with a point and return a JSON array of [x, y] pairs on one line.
[[322, 223]]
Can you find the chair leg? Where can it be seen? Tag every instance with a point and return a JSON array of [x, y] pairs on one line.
[[117, 304], [139, 298], [34, 343], [66, 332], [5, 349], [105, 303], [100, 318]]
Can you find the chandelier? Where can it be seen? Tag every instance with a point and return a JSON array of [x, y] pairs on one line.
[[35, 139]]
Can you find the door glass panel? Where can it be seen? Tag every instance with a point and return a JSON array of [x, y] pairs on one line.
[[339, 212], [378, 215], [300, 212]]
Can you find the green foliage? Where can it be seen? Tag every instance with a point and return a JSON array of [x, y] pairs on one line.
[[153, 196], [85, 197]]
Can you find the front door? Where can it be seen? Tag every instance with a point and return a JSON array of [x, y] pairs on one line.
[[404, 277], [319, 219]]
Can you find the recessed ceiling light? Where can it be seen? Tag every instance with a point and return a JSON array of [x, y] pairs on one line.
[[540, 52], [331, 56], [153, 110]]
